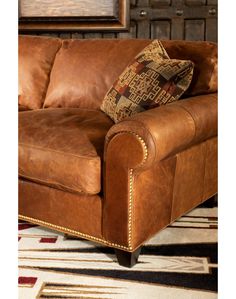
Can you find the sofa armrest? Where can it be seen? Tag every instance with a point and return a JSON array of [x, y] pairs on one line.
[[140, 167], [169, 129]]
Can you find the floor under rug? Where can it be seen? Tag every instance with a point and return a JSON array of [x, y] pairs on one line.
[[178, 263]]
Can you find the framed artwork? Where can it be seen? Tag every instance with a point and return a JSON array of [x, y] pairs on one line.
[[73, 15]]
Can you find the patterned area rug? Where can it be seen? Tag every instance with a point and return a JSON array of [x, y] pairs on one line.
[[178, 263]]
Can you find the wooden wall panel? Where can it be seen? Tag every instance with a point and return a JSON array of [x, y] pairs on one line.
[[211, 30], [195, 2], [161, 29], [194, 29], [212, 2], [160, 3], [163, 19]]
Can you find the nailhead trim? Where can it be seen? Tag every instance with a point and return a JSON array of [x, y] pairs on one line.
[[73, 232], [92, 238], [130, 209], [144, 146]]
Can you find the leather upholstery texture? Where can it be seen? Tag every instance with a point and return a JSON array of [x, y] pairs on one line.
[[117, 184], [172, 170], [36, 57], [79, 212], [22, 108], [211, 170], [63, 148], [84, 70], [169, 129], [205, 59]]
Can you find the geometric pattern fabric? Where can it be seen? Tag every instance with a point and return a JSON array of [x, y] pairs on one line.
[[151, 80]]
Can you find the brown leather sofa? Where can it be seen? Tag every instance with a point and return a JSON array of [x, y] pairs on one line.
[[114, 184]]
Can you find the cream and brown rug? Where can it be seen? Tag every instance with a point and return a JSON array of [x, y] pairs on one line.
[[178, 263]]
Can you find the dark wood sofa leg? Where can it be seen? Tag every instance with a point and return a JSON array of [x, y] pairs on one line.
[[210, 202], [127, 259]]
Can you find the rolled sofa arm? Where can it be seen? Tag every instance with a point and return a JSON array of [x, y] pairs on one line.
[[139, 166], [169, 129]]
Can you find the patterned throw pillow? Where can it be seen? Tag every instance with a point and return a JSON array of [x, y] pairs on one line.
[[151, 80]]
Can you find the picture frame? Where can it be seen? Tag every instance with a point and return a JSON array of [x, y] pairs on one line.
[[73, 15]]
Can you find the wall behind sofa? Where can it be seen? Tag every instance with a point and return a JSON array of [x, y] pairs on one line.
[[162, 19]]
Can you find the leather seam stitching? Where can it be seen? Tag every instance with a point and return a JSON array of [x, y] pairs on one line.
[[195, 129], [59, 152], [204, 176], [173, 201], [55, 183], [131, 132], [141, 140]]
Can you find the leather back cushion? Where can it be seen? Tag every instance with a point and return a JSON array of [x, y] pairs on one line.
[[204, 56], [36, 56], [84, 70]]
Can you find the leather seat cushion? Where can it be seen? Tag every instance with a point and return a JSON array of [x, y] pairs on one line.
[[63, 148]]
